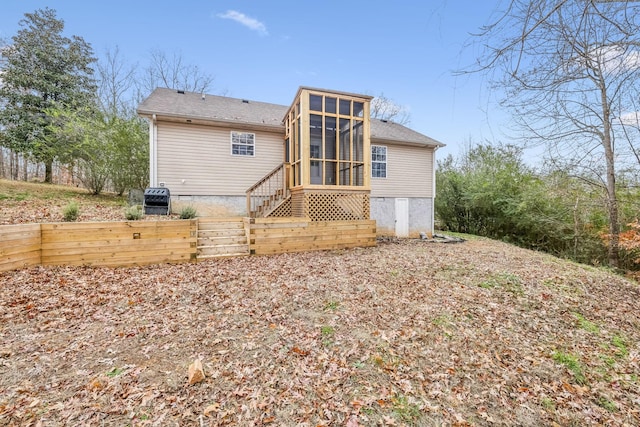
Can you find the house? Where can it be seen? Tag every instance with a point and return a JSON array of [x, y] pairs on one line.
[[322, 157]]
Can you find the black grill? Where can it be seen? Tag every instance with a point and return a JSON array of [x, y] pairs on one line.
[[157, 201]]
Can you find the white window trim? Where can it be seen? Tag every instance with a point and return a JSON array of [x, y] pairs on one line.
[[386, 161], [232, 143]]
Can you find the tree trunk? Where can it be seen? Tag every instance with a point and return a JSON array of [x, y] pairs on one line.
[[614, 226], [575, 229], [48, 171], [14, 166], [612, 199], [25, 172]]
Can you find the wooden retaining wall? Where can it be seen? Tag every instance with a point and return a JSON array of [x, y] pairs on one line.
[[280, 235], [118, 244], [19, 246], [122, 244]]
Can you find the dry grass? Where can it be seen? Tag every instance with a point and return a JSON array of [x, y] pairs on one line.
[[25, 202]]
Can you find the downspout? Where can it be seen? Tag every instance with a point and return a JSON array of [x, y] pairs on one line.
[[153, 152], [433, 192]]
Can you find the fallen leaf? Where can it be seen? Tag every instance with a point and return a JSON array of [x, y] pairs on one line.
[[214, 407], [299, 351]]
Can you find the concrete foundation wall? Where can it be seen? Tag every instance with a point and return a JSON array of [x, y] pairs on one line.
[[383, 210], [212, 206]]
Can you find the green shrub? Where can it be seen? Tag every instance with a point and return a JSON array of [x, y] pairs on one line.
[[71, 211], [188, 212], [134, 213]]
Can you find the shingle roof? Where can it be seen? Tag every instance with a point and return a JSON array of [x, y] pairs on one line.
[[169, 102], [384, 130], [191, 105]]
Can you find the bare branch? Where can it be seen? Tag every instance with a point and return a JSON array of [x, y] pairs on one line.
[[171, 72], [116, 83], [563, 68], [384, 108]]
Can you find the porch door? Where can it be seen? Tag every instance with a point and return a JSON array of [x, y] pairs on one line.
[[402, 217]]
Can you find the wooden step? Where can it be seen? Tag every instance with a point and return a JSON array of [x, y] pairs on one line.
[[223, 250], [222, 240], [206, 226], [221, 233], [221, 237], [230, 255]]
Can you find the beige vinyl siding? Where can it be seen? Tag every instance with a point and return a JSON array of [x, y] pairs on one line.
[[197, 160], [409, 172]]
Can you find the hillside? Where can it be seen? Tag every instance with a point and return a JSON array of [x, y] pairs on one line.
[[24, 202], [406, 333]]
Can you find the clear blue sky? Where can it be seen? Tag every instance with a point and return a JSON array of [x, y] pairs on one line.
[[265, 50]]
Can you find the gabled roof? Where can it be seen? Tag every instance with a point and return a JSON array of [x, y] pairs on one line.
[[172, 104], [389, 131], [195, 106]]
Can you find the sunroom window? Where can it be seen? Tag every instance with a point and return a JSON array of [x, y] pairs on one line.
[[336, 141], [326, 140]]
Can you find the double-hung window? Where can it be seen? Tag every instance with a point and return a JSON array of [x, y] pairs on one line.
[[378, 161], [243, 144]]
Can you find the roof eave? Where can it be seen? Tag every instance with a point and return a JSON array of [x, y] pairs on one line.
[[435, 144], [227, 123]]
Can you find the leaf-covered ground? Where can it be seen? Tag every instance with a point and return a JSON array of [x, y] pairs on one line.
[[406, 333], [28, 202]]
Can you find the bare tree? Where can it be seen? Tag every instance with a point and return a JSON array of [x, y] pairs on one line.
[[567, 70], [172, 72], [384, 108], [117, 82]]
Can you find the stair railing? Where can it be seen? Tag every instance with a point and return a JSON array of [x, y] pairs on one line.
[[266, 194]]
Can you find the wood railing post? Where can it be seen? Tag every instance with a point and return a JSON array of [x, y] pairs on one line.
[[283, 177]]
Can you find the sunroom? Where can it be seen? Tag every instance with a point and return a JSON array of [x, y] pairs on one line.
[[325, 175]]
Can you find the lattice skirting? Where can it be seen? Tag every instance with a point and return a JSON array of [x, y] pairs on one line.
[[330, 206], [282, 211]]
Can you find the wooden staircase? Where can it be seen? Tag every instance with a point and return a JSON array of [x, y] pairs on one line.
[[269, 204], [269, 193], [222, 237]]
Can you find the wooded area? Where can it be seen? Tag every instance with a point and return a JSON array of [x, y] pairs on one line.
[[567, 75], [66, 118], [491, 191]]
